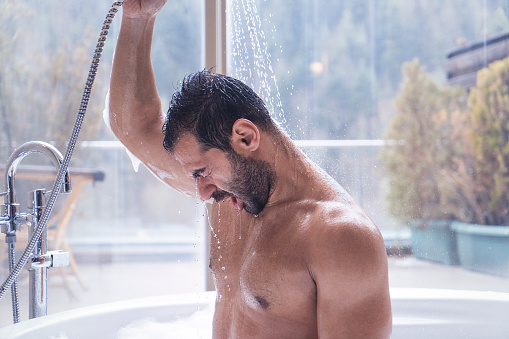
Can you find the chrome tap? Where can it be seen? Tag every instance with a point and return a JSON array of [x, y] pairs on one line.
[[12, 163], [11, 221], [8, 221], [4, 219]]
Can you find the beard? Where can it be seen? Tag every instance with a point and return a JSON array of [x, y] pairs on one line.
[[252, 182]]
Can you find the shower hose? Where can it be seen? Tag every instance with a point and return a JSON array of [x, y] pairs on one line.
[[15, 270]]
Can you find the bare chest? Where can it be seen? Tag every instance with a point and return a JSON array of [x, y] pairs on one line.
[[261, 272]]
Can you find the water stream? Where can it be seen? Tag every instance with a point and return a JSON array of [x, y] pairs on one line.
[[250, 59]]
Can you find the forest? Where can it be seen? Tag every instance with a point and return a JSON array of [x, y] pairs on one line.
[[336, 65]]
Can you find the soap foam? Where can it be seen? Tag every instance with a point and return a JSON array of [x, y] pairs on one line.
[[196, 326]]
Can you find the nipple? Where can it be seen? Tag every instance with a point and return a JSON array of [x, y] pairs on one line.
[[262, 302]]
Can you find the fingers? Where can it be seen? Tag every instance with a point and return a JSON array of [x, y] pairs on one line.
[[142, 8]]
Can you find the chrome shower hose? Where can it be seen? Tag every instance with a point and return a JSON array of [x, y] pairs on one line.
[[68, 154]]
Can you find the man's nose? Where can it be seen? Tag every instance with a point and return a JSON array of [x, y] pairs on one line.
[[205, 188]]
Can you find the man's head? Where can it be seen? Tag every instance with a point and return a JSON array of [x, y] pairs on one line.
[[209, 120], [207, 105]]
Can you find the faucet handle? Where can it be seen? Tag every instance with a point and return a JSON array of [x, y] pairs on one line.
[[51, 259], [59, 258], [22, 219], [11, 220], [17, 218]]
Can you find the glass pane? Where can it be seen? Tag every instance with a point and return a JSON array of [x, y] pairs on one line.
[[129, 236], [332, 72]]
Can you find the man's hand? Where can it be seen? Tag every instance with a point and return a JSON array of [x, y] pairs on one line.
[[142, 8]]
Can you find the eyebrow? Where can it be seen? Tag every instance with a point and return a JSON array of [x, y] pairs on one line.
[[198, 172]]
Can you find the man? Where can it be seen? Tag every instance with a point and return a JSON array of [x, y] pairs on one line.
[[292, 255]]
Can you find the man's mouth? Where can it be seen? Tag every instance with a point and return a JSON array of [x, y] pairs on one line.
[[237, 203], [221, 196]]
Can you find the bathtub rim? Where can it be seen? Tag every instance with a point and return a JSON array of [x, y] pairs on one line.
[[411, 307], [193, 301]]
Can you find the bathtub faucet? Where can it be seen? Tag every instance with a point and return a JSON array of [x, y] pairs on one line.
[[11, 220]]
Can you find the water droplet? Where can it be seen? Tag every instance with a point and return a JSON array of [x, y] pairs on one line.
[[240, 225]]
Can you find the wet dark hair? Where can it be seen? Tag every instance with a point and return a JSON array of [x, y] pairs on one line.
[[207, 105]]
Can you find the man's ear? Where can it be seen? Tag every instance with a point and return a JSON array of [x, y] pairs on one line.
[[245, 137]]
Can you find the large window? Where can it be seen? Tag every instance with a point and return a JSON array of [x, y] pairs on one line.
[[129, 235], [333, 76], [330, 71]]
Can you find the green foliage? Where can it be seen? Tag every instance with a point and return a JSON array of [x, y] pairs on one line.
[[43, 73], [489, 102], [362, 45], [9, 34], [414, 167], [475, 180], [455, 160], [45, 53]]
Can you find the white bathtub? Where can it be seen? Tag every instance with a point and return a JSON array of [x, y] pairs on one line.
[[418, 313]]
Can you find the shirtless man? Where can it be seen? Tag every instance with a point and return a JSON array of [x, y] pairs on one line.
[[292, 255]]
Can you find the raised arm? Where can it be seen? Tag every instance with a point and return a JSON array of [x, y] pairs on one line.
[[136, 116]]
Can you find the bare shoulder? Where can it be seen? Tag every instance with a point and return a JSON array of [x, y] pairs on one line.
[[344, 229], [347, 260], [344, 242]]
